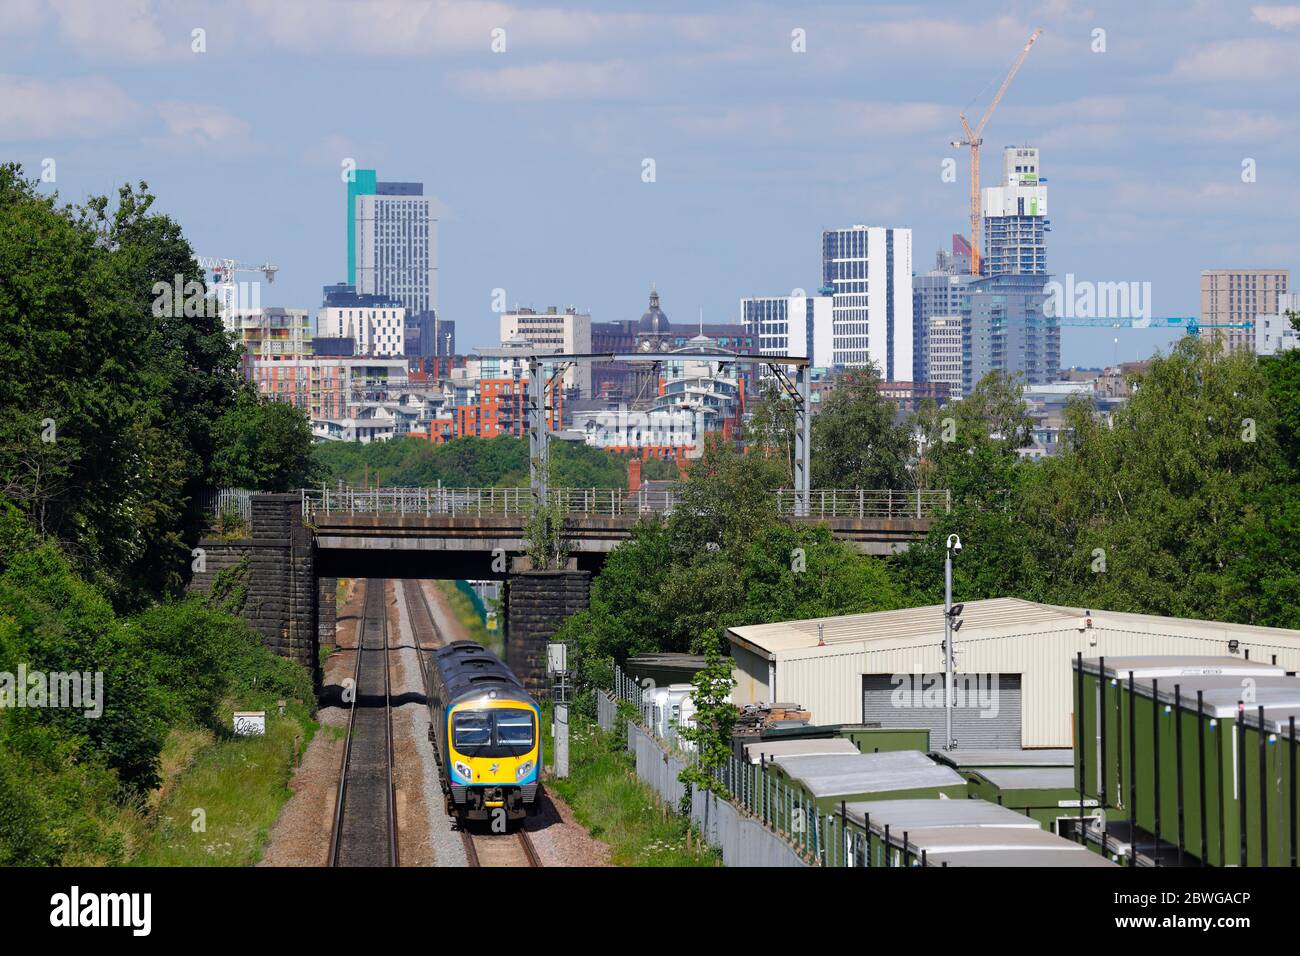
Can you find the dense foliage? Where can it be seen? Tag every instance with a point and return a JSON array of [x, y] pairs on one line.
[[115, 397], [263, 444], [1182, 503], [67, 779], [466, 463], [122, 404], [721, 559]]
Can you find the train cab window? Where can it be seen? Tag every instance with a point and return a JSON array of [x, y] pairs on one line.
[[515, 728], [472, 729], [493, 733]]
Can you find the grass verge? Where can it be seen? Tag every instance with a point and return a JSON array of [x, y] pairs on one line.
[[238, 783], [609, 800]]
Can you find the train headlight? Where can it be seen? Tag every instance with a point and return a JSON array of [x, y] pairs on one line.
[[464, 770], [523, 770]]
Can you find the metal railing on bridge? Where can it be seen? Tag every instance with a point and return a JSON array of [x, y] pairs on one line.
[[866, 503], [609, 502], [477, 502]]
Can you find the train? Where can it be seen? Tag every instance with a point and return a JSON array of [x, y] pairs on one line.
[[486, 731]]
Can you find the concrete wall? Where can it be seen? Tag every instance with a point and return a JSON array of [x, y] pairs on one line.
[[536, 603], [281, 591]]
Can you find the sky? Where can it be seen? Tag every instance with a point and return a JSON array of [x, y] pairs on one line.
[[1145, 114]]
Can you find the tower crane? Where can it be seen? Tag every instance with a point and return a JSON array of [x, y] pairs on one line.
[[223, 270], [973, 139], [223, 279]]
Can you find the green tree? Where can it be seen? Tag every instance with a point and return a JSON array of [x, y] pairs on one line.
[[770, 431], [715, 718], [856, 442], [726, 498], [110, 403], [264, 445]]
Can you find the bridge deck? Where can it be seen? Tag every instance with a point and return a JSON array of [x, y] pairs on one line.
[[598, 519]]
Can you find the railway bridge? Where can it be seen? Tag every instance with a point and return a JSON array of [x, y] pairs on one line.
[[301, 543]]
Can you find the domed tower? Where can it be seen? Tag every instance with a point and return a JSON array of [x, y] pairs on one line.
[[653, 321]]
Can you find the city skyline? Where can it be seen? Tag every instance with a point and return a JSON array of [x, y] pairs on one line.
[[1146, 142]]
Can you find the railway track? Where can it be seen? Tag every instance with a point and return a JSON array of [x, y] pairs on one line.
[[495, 849], [365, 817], [499, 849]]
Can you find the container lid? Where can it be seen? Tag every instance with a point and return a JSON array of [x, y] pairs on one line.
[[829, 776], [1020, 858], [910, 815], [1171, 665], [802, 748], [967, 759], [1028, 778]]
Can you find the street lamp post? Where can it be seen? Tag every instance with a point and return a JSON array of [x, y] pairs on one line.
[[954, 544]]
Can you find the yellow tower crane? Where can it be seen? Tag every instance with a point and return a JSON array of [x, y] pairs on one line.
[[973, 139]]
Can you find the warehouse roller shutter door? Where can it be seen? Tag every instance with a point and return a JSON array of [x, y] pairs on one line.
[[983, 720]]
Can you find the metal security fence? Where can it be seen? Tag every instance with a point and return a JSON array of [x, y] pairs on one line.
[[761, 807], [761, 821], [215, 504]]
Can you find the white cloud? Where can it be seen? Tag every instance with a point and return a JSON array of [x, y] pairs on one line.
[[557, 80], [201, 125], [1262, 59], [118, 30], [1282, 17], [412, 27], [32, 108]]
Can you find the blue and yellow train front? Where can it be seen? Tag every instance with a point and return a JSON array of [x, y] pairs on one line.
[[494, 757]]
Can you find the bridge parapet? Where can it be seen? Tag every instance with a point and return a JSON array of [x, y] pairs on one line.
[[823, 503], [826, 503]]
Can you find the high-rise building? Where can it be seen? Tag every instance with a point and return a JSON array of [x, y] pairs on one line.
[[271, 334], [938, 293], [1274, 332], [944, 342], [957, 262], [1239, 296], [791, 325], [392, 241], [376, 324], [427, 338], [867, 270], [1015, 217], [568, 332], [1005, 329]]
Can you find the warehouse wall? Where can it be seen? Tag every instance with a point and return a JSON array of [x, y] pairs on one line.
[[750, 673], [828, 681]]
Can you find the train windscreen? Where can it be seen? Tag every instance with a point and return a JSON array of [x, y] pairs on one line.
[[493, 733]]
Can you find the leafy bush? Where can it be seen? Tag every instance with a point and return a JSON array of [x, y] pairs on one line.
[[69, 783]]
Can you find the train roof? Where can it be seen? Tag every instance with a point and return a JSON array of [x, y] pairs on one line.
[[467, 668]]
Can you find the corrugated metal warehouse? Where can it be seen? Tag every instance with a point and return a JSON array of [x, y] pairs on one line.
[[1014, 675]]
